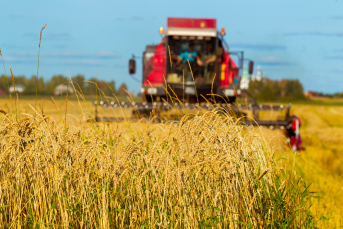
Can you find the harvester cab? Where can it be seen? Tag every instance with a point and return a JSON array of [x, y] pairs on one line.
[[192, 62]]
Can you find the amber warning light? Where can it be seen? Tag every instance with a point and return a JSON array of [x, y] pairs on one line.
[[161, 30], [222, 32]]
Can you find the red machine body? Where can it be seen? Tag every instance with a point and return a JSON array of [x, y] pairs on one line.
[[158, 65], [192, 23], [295, 135]]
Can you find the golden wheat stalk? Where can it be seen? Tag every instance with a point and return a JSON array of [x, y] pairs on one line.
[[41, 33], [13, 80]]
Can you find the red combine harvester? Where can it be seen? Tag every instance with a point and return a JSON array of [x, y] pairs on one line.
[[192, 62]]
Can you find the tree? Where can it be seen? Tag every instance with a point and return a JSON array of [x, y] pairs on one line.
[[41, 87], [79, 83], [30, 86], [48, 87], [108, 88], [90, 87], [271, 90], [54, 82], [4, 83], [122, 89]]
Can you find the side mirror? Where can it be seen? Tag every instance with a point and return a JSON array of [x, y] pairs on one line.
[[251, 67], [132, 66]]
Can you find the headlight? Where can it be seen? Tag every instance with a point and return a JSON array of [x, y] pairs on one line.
[[190, 90], [229, 92], [152, 91]]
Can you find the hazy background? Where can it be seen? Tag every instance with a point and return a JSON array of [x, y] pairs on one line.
[[289, 39]]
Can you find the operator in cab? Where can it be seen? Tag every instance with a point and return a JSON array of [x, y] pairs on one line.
[[207, 64], [208, 56], [188, 56]]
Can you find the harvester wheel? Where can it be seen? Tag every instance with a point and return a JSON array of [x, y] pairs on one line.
[[232, 99], [140, 113], [148, 98]]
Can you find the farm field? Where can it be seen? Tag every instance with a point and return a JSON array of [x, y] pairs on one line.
[[322, 161], [319, 164], [75, 106]]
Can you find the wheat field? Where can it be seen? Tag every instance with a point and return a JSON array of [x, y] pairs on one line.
[[322, 161], [59, 171]]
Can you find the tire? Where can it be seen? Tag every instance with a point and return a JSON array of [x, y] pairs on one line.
[[148, 98], [232, 99], [141, 113]]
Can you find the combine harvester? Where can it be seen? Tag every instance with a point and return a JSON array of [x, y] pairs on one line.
[[193, 65]]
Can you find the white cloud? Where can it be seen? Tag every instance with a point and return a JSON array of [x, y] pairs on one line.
[[99, 54], [259, 46], [89, 62], [272, 60], [22, 53], [106, 54], [19, 59]]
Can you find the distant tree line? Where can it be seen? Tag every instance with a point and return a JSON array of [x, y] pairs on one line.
[[274, 90], [47, 87], [336, 95]]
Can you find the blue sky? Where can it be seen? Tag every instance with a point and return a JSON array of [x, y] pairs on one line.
[[300, 39]]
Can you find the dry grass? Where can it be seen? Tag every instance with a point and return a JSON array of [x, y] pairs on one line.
[[321, 162], [203, 172]]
